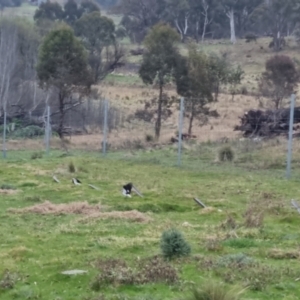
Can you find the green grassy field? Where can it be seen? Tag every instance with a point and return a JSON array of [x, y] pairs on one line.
[[263, 250]]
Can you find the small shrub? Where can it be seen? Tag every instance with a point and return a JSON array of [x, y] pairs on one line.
[[28, 132], [244, 90], [8, 280], [254, 218], [149, 138], [71, 167], [215, 291], [226, 153], [173, 244], [157, 270], [230, 223], [37, 155], [6, 186], [239, 259], [213, 245], [115, 272], [250, 37]]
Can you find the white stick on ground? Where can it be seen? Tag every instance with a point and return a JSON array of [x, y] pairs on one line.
[[136, 190], [55, 179], [295, 205], [93, 187], [200, 202]]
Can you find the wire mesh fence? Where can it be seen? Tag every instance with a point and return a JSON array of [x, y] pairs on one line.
[[98, 127]]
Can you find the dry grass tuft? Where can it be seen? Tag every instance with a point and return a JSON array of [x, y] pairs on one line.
[[82, 208], [207, 210], [284, 254], [132, 215], [8, 192], [254, 217], [59, 209]]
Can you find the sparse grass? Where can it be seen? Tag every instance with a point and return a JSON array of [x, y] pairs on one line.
[[78, 233]]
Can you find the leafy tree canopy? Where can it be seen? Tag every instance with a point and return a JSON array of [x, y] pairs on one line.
[[62, 60]]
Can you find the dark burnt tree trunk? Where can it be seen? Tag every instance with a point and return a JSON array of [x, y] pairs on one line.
[[159, 111], [61, 99], [192, 116]]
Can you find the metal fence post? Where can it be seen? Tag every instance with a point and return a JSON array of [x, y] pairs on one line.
[[4, 135], [105, 127], [290, 142], [180, 130], [48, 130]]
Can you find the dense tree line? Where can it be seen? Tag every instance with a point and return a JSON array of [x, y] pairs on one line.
[[202, 19], [56, 60], [79, 47]]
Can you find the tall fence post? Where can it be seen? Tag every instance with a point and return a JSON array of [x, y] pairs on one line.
[[180, 130], [4, 135], [290, 142], [105, 127], [48, 130]]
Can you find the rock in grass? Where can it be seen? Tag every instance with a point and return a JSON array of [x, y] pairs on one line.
[[73, 272]]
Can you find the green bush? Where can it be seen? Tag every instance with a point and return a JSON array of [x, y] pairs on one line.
[[71, 167], [173, 244], [239, 259], [226, 153], [37, 155], [6, 186], [28, 132]]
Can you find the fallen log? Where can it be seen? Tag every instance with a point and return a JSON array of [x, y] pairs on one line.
[[267, 123]]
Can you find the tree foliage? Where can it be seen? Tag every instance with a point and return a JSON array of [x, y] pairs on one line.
[[160, 62], [194, 82], [279, 79], [98, 35], [62, 65], [70, 13]]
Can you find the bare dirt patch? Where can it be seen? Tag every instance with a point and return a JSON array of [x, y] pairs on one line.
[[82, 208]]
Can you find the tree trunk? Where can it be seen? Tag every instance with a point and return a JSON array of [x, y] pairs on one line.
[[204, 28], [179, 29], [159, 112], [230, 15], [60, 129], [206, 21], [191, 122], [197, 32]]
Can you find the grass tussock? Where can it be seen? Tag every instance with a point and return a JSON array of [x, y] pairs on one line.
[[284, 254], [82, 208], [215, 291]]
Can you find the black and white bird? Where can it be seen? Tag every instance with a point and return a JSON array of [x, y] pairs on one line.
[[127, 189], [76, 181]]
